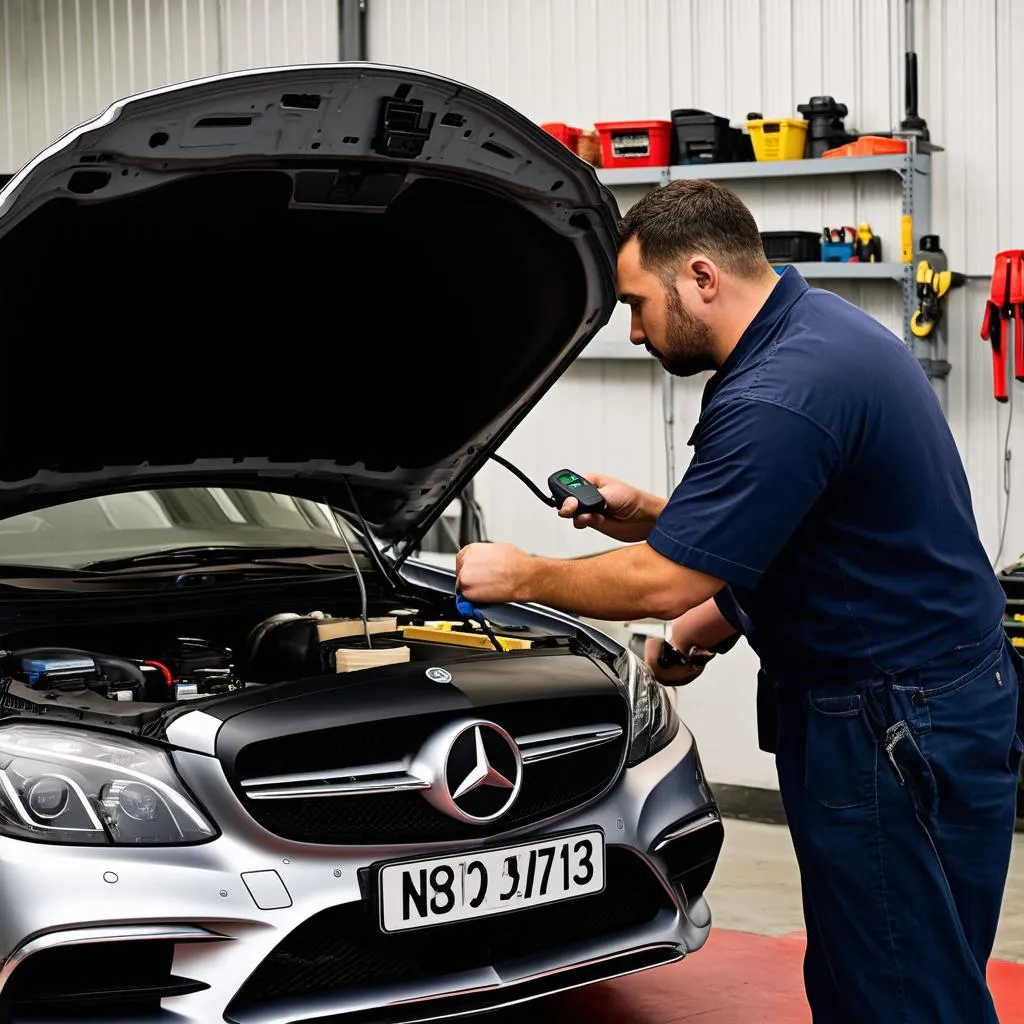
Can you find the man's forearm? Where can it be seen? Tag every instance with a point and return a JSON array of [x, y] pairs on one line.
[[634, 582], [652, 505], [703, 626]]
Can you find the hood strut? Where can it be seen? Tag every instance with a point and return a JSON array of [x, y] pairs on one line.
[[382, 567]]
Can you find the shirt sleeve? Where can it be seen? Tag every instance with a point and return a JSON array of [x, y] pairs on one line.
[[726, 603], [757, 471]]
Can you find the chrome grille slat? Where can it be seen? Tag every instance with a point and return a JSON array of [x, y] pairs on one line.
[[396, 776], [558, 742], [362, 780]]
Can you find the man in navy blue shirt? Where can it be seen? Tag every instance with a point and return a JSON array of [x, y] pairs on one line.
[[826, 515]]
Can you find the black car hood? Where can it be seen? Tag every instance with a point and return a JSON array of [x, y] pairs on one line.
[[349, 260]]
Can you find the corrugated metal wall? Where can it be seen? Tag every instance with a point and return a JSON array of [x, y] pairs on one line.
[[63, 61], [583, 61]]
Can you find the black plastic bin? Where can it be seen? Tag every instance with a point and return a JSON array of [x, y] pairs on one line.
[[792, 246], [699, 137]]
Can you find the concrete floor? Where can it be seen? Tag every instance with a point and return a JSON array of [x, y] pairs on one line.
[[750, 971], [757, 888]]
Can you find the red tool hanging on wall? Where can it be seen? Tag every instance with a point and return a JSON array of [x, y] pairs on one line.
[[1004, 319]]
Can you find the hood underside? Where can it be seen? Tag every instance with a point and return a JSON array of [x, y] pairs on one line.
[[355, 261]]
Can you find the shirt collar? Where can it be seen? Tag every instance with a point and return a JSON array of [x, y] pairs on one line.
[[789, 288]]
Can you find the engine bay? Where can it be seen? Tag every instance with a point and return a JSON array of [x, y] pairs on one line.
[[129, 672]]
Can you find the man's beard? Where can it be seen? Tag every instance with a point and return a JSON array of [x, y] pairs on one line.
[[687, 340]]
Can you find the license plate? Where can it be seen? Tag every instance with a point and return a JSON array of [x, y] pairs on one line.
[[439, 890]]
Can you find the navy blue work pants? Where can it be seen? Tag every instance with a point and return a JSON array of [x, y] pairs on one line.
[[900, 797]]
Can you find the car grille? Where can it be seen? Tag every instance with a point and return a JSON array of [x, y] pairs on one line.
[[342, 948], [549, 787]]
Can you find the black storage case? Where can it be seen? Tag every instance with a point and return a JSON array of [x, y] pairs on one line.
[[792, 246], [699, 137]]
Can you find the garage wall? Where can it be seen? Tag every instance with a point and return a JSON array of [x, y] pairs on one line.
[[64, 61], [583, 61]]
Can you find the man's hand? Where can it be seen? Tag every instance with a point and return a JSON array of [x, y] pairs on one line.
[[491, 573], [629, 515], [674, 675]]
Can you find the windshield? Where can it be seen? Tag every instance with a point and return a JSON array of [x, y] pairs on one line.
[[75, 534]]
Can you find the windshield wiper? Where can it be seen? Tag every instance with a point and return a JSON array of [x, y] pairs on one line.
[[202, 554]]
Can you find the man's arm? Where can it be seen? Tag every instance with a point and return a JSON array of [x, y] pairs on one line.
[[759, 469], [704, 626], [694, 634], [634, 582]]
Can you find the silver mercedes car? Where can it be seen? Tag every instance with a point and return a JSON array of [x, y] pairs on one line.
[[258, 763]]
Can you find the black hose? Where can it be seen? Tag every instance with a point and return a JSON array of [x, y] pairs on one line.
[[546, 498]]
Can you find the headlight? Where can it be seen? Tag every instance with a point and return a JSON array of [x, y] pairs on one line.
[[63, 786], [655, 722]]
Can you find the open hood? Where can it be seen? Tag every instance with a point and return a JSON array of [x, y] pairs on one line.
[[356, 261]]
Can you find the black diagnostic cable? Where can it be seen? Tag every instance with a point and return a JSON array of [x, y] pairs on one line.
[[565, 483], [546, 498]]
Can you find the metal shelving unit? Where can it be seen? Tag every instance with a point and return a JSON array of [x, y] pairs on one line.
[[852, 271], [913, 171]]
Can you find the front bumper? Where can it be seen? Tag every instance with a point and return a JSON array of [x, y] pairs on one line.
[[223, 907]]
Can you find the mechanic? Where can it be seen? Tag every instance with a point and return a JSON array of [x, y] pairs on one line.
[[826, 515]]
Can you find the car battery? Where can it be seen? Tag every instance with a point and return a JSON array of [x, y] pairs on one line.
[[199, 669]]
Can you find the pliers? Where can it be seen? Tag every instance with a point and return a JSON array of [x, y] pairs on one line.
[[1003, 322]]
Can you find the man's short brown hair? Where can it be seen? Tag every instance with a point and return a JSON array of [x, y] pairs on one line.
[[690, 217]]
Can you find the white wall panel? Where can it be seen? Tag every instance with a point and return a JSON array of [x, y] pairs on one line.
[[64, 61], [583, 61]]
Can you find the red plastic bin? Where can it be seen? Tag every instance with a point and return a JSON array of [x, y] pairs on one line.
[[635, 143], [565, 133]]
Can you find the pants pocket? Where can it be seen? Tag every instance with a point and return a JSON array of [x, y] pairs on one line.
[[912, 769], [839, 765]]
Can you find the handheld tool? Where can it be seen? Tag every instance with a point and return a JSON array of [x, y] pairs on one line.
[[563, 484], [1004, 308], [867, 248], [470, 612], [934, 282], [567, 484]]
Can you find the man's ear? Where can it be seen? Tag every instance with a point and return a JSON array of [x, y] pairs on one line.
[[705, 276]]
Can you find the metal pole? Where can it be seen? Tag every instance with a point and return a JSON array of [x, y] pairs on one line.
[[351, 30], [669, 416]]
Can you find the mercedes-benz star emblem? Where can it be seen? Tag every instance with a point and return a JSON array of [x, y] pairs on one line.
[[474, 770], [439, 675]]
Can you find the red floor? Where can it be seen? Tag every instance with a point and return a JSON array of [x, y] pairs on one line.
[[737, 978]]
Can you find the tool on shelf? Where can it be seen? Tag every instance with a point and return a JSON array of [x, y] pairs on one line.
[[934, 282], [1004, 319], [867, 247], [837, 245], [825, 127]]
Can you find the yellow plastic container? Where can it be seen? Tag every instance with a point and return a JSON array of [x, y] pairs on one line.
[[778, 140]]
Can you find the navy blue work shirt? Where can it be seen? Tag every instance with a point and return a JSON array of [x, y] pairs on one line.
[[827, 491]]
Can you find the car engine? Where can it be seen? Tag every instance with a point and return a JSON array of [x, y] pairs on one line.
[[152, 667]]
